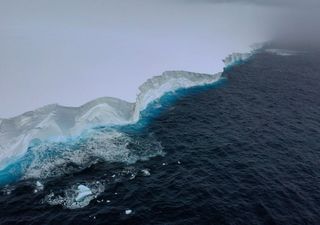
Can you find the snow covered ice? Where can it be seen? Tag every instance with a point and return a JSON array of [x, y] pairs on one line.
[[57, 122]]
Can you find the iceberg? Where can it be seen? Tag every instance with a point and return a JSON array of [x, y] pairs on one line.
[[236, 58], [157, 86], [56, 122]]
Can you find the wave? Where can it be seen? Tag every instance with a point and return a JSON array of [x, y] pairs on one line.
[[45, 142]]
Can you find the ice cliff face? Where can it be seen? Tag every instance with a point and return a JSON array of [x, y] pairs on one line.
[[55, 121], [157, 86], [58, 122], [235, 58]]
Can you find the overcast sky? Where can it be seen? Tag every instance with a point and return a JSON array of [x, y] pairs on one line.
[[73, 51]]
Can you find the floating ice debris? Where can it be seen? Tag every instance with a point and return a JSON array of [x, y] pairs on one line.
[[39, 185], [77, 196], [63, 122], [113, 176], [116, 193], [164, 164], [179, 162], [7, 190], [108, 201], [132, 176], [145, 172], [128, 211], [83, 191], [128, 172], [93, 217]]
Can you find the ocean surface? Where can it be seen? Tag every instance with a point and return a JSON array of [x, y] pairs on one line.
[[245, 150]]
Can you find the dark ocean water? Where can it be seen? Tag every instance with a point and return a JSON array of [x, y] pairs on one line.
[[244, 151]]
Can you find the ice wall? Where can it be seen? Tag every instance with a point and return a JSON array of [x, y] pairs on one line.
[[235, 58], [58, 122], [55, 121], [157, 86]]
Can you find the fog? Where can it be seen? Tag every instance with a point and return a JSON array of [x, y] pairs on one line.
[[71, 52]]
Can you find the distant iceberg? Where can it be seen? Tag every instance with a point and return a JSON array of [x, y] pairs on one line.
[[281, 52]]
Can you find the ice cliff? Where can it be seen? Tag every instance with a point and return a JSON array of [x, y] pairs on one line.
[[58, 122], [235, 58]]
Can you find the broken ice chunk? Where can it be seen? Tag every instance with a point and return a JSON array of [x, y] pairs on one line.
[[83, 191], [145, 172], [39, 185]]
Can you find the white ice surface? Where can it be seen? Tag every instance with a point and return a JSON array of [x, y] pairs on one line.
[[56, 122]]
